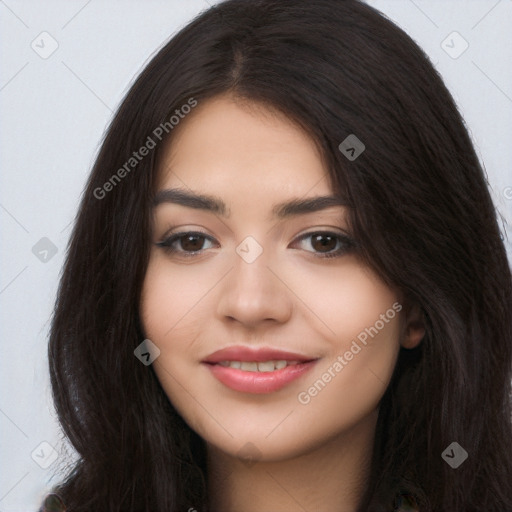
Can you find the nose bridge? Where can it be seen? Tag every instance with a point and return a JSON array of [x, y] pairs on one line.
[[252, 293], [253, 282]]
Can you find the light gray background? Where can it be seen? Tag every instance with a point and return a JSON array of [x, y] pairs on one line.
[[54, 113]]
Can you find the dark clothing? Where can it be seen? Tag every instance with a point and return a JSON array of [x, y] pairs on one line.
[[52, 503]]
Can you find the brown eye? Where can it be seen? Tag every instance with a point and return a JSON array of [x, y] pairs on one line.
[[191, 242], [323, 243], [185, 243], [326, 244]]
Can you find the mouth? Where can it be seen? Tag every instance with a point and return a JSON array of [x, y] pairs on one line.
[[257, 370]]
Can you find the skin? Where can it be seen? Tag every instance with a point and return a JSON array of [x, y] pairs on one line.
[[312, 456]]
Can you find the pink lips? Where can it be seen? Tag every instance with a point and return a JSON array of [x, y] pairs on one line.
[[257, 382]]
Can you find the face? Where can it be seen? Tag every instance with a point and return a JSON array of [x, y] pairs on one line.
[[271, 330]]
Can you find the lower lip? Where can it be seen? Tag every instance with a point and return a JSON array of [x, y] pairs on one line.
[[258, 382]]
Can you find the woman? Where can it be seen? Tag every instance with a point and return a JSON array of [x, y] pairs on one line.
[[286, 287]]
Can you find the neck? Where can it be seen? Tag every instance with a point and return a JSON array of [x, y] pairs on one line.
[[331, 477]]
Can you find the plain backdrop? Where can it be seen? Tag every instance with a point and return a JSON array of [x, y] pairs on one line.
[[65, 66]]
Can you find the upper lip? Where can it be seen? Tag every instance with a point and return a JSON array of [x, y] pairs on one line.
[[241, 353]]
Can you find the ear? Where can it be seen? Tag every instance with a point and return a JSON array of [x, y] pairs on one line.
[[414, 327]]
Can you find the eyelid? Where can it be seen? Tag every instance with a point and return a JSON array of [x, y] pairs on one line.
[[183, 231], [165, 241], [347, 242], [324, 230]]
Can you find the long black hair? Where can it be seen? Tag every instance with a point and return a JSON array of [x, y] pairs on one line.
[[419, 206]]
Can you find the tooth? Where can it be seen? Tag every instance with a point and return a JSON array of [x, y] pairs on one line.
[[266, 366], [280, 364], [249, 367], [224, 363], [235, 364]]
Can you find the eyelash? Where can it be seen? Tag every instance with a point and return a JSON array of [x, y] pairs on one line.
[[347, 243]]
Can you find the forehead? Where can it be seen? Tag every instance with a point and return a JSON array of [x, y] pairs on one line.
[[224, 144]]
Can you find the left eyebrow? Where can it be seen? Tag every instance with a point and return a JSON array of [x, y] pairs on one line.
[[216, 205]]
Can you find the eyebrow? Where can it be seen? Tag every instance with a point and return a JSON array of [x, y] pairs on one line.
[[216, 205]]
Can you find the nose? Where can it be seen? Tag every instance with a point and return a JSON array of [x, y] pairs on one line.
[[253, 294]]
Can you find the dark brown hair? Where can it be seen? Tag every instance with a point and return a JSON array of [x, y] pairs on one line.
[[419, 208]]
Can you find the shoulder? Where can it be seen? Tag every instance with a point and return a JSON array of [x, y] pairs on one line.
[[52, 503], [406, 503]]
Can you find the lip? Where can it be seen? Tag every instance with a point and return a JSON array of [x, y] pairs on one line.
[[257, 382], [258, 355]]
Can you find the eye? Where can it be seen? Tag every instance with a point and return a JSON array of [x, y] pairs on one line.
[[327, 244], [186, 243], [324, 244]]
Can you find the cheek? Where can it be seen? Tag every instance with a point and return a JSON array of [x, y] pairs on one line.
[[361, 323], [175, 310], [343, 301], [351, 381], [173, 301]]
